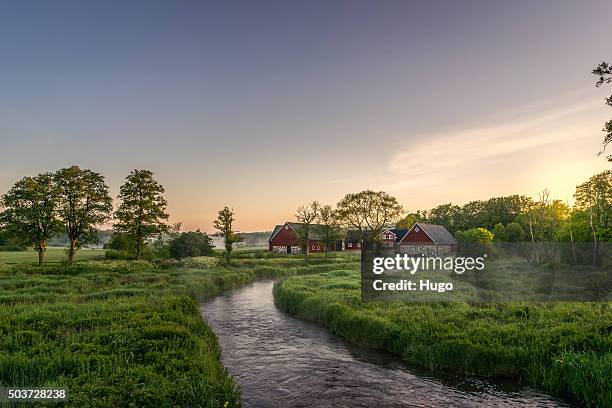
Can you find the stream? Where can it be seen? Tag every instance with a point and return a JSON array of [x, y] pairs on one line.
[[280, 361]]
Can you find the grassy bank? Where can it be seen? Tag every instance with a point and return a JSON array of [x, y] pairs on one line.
[[563, 348], [117, 333]]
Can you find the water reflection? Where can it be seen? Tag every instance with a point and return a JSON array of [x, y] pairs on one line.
[[279, 361]]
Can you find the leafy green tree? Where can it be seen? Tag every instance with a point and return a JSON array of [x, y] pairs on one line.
[[514, 232], [409, 220], [475, 241], [479, 236], [224, 223], [191, 244], [30, 211], [446, 215], [595, 196], [499, 233], [368, 212], [142, 211], [83, 203], [306, 215], [329, 228], [604, 73]]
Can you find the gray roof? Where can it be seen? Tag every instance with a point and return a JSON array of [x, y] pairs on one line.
[[438, 233]]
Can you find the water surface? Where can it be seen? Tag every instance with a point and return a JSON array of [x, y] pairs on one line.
[[280, 361]]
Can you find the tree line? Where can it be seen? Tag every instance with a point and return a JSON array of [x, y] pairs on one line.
[[513, 218], [76, 201]]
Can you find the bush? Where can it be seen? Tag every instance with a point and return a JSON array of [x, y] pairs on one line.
[[121, 242], [191, 244], [475, 242], [514, 232], [200, 262]]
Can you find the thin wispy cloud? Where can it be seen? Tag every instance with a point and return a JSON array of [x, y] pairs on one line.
[[445, 152]]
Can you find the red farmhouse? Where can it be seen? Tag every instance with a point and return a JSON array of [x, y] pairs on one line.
[[285, 240], [422, 238]]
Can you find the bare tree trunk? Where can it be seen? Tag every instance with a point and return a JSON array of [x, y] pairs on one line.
[[594, 239], [228, 252], [572, 243], [534, 258], [42, 247], [72, 250], [138, 248], [307, 243]]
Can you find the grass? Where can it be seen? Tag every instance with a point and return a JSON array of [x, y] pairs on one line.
[[123, 334], [563, 348], [53, 255]]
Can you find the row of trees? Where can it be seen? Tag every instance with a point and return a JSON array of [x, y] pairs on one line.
[[366, 213], [513, 218], [518, 218], [76, 201]]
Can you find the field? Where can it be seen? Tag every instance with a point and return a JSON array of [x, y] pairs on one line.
[[53, 255], [563, 348], [119, 333]]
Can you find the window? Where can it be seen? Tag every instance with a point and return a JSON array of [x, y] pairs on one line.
[[313, 247], [416, 229], [350, 244], [318, 247], [286, 227], [359, 245]]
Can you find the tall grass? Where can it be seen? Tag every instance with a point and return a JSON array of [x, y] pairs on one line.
[[123, 334], [564, 348]]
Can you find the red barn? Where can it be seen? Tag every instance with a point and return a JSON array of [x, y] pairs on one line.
[[285, 239], [429, 239]]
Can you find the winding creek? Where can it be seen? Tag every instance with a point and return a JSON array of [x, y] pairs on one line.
[[280, 361]]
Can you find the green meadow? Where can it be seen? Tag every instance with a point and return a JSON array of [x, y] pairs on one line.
[[125, 333], [563, 348], [53, 255]]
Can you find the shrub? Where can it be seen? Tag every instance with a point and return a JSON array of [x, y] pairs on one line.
[[200, 262], [191, 244]]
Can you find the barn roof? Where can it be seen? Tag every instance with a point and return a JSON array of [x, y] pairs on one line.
[[312, 233], [275, 231], [296, 226], [437, 233], [399, 233]]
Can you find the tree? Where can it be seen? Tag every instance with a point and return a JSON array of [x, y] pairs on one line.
[[368, 212], [409, 220], [475, 241], [224, 223], [604, 72], [191, 244], [83, 204], [305, 215], [329, 228], [595, 197], [30, 211], [446, 215], [142, 211], [514, 232], [499, 233]]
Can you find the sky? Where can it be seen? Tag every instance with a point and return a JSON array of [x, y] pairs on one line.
[[263, 106]]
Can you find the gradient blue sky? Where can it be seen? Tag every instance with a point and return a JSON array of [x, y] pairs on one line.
[[265, 105]]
